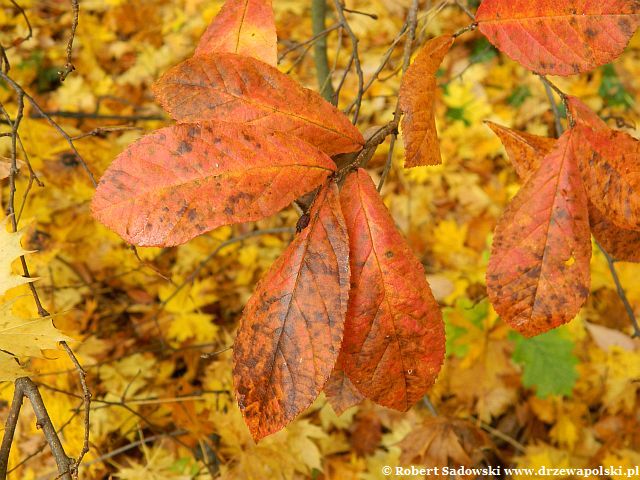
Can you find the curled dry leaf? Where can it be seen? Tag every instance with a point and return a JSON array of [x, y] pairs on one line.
[[182, 181], [291, 329], [538, 275], [229, 87], [394, 335], [417, 97], [559, 37], [526, 152], [245, 27], [340, 391]]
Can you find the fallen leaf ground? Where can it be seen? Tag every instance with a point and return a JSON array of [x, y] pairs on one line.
[[154, 328]]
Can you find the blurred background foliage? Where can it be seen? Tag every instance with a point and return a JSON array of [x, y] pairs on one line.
[[154, 329]]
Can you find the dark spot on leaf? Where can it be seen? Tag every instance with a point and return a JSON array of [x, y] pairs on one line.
[[184, 147], [388, 254], [625, 26]]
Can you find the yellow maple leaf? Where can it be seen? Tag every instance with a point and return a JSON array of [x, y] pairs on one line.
[[10, 249], [27, 337]]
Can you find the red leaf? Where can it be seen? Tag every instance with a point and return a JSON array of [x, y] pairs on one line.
[[291, 330], [526, 152], [394, 336], [233, 88], [181, 181], [417, 97], [340, 391], [610, 162], [559, 37], [538, 275], [245, 27]]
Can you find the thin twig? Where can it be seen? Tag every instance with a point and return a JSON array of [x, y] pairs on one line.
[[86, 402], [621, 292], [321, 60], [412, 22], [355, 58], [69, 67]]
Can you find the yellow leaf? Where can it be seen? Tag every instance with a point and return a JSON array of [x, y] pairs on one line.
[[10, 249], [27, 337]]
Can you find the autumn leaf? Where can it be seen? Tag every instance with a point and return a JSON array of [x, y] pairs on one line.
[[394, 335], [610, 162], [547, 361], [10, 250], [26, 338], [559, 37], [340, 391], [292, 327], [233, 88], [538, 275], [417, 97], [245, 27], [182, 181], [526, 152], [442, 441], [583, 115]]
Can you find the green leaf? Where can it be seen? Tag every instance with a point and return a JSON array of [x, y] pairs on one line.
[[519, 95], [547, 361], [482, 51], [458, 320], [612, 90]]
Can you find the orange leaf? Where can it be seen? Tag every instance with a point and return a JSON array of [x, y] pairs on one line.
[[610, 162], [526, 152], [340, 391], [245, 27], [417, 97], [394, 335], [181, 181], [621, 243], [559, 37], [583, 115], [233, 88], [291, 330], [538, 275]]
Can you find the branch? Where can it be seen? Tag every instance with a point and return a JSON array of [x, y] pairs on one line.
[[323, 72], [24, 387]]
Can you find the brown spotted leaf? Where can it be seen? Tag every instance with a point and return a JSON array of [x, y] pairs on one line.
[[559, 37], [526, 151], [245, 27], [538, 274], [417, 97], [583, 115], [291, 329], [610, 163], [394, 335], [181, 181], [340, 391], [233, 88]]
